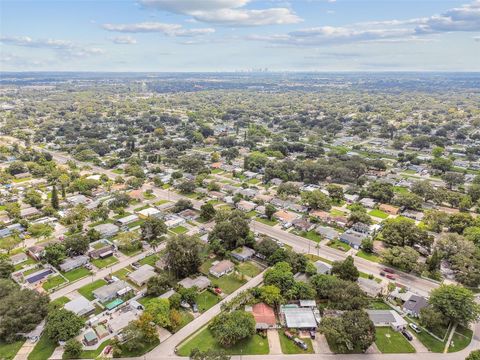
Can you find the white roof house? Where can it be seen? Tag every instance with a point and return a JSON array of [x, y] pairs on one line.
[[142, 274], [298, 317], [107, 230], [387, 318], [80, 306], [110, 291], [149, 212], [201, 282]]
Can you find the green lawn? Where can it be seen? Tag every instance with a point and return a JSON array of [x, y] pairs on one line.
[[431, 343], [311, 235], [251, 214], [53, 282], [186, 318], [400, 190], [205, 300], [228, 283], [369, 256], [140, 351], [289, 347], [249, 269], [43, 349], [266, 221], [378, 305], [337, 244], [101, 263], [76, 274], [20, 266], [8, 351], [87, 290], [206, 265], [121, 274], [150, 260], [93, 354], [254, 345], [161, 202], [335, 212], [460, 339], [179, 230], [253, 181], [60, 301], [148, 196], [378, 214], [392, 342]]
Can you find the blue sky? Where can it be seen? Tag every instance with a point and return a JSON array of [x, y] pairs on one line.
[[230, 35]]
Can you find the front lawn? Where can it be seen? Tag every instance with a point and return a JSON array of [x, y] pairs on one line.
[[43, 349], [392, 342], [76, 274], [378, 214], [431, 343], [179, 230], [87, 290], [150, 260], [272, 222], [8, 351], [369, 256], [337, 244], [101, 263], [143, 349], [249, 269], [228, 283], [205, 300], [161, 202], [53, 282], [254, 345], [289, 347], [460, 339], [186, 318], [93, 354], [311, 235], [60, 301], [335, 212], [121, 274]]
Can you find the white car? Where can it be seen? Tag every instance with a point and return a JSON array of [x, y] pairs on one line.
[[415, 327]]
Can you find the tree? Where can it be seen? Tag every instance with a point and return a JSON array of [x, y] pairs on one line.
[[187, 187], [229, 328], [474, 355], [335, 192], [269, 211], [157, 285], [62, 325], [409, 201], [342, 294], [404, 258], [76, 244], [380, 191], [181, 205], [231, 229], [423, 189], [271, 295], [33, 198], [455, 303], [441, 164], [316, 200], [474, 192], [54, 254], [54, 200], [403, 232], [452, 179], [207, 212], [159, 309], [266, 247], [288, 189], [281, 276], [212, 354], [352, 330], [140, 332], [346, 269], [182, 255], [72, 349], [153, 230], [189, 295], [473, 234], [367, 245], [432, 319], [459, 222], [6, 268]]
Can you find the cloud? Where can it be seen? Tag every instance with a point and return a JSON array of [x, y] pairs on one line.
[[124, 40], [152, 27], [465, 18], [64, 48], [225, 12]]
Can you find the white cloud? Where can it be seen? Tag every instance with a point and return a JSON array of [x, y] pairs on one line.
[[465, 18], [64, 48], [225, 12], [124, 40], [166, 29]]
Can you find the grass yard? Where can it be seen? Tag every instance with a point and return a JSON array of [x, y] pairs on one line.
[[60, 301], [43, 349], [121, 274], [8, 351], [368, 256], [378, 214], [378, 305], [186, 318], [150, 260], [460, 339], [253, 181], [53, 282], [400, 190], [272, 222], [20, 266], [179, 230], [249, 269], [76, 274], [311, 235], [431, 343], [205, 300], [289, 347], [314, 258], [392, 342], [87, 290], [161, 202], [251, 214], [206, 265], [93, 354], [140, 351], [335, 212], [148, 196], [228, 283], [254, 345], [337, 244], [101, 263]]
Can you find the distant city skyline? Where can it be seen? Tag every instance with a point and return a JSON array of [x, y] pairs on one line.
[[240, 35]]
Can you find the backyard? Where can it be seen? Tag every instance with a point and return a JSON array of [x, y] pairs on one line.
[[378, 214], [254, 345], [249, 269]]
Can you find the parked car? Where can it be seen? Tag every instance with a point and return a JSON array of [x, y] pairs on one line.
[[390, 276], [195, 308], [407, 335], [388, 270], [382, 273], [107, 350], [288, 335], [300, 343], [312, 334], [415, 327]]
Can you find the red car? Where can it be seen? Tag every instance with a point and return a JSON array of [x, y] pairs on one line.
[[218, 290], [390, 276], [388, 270]]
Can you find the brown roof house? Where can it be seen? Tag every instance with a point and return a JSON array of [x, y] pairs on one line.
[[220, 268], [264, 316]]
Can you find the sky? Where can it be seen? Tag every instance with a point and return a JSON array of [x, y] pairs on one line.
[[239, 35]]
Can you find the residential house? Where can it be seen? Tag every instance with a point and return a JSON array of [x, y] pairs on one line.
[[201, 282], [352, 238], [246, 206], [29, 212], [188, 214], [264, 316], [389, 209], [18, 258], [296, 317], [243, 254], [322, 267], [303, 225], [149, 212], [387, 318], [101, 249], [107, 230], [80, 306], [111, 291], [142, 274], [327, 232], [173, 220], [350, 199], [73, 263], [127, 220], [220, 268], [368, 203], [285, 217], [414, 305], [78, 199], [370, 287]]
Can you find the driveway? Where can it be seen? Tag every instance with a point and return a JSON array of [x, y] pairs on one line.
[[274, 342]]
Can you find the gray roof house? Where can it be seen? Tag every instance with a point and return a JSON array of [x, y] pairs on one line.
[[201, 282], [142, 274], [414, 304], [371, 287], [327, 232], [322, 267], [110, 291], [107, 230], [80, 306], [298, 318], [387, 318], [244, 254], [353, 238], [73, 263]]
